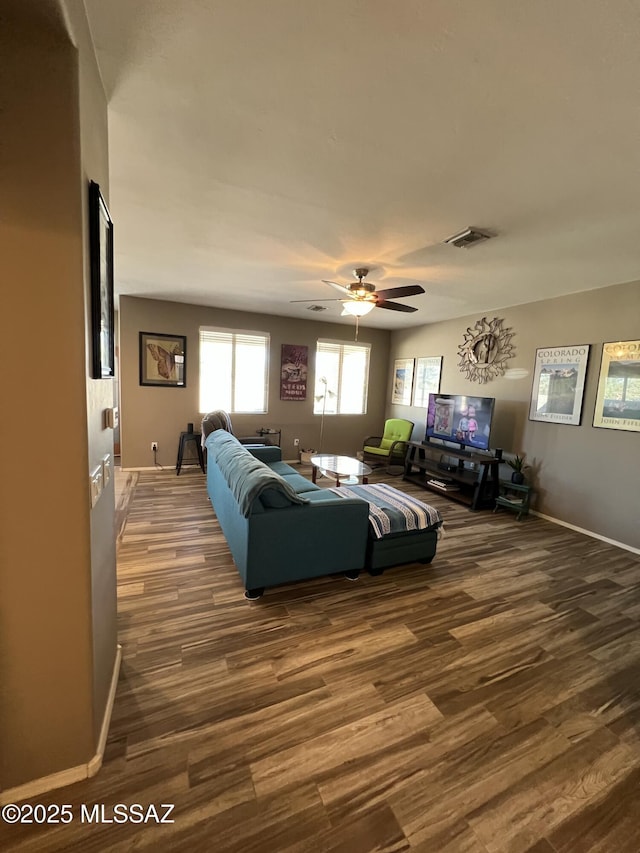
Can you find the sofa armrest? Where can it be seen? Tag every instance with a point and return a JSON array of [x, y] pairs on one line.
[[267, 453], [306, 541]]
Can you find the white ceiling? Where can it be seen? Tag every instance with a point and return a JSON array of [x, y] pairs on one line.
[[259, 146]]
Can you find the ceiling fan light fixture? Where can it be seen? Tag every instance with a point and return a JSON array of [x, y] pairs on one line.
[[361, 291], [357, 309]]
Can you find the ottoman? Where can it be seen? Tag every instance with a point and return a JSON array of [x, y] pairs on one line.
[[402, 529]]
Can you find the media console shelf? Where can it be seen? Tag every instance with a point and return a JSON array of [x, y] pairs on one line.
[[465, 477]]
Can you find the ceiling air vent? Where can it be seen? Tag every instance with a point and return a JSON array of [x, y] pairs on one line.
[[467, 238], [316, 308]]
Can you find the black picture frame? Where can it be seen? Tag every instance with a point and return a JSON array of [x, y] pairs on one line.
[[163, 360], [559, 379], [101, 271]]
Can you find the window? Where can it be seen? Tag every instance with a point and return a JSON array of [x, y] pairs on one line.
[[233, 370], [342, 378]]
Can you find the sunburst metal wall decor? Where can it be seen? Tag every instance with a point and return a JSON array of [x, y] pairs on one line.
[[485, 351]]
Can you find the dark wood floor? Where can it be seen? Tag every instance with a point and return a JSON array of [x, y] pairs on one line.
[[487, 703]]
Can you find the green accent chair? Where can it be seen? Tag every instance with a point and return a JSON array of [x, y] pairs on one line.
[[391, 447]]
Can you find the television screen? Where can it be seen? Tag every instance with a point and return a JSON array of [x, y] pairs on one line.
[[459, 418]]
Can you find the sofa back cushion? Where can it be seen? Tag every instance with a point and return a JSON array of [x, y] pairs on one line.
[[247, 477]]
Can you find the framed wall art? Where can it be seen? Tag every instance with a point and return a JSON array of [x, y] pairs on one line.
[[618, 397], [402, 381], [558, 384], [485, 350], [163, 360], [426, 379], [293, 372], [101, 273]]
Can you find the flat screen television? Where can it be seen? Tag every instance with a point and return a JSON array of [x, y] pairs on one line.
[[461, 419]]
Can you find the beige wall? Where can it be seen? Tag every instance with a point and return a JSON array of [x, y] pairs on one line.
[[583, 476], [94, 140], [52, 673], [160, 414]]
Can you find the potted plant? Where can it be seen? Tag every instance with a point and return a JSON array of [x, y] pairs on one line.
[[518, 465]]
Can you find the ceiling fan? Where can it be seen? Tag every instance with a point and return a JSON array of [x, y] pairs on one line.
[[362, 296]]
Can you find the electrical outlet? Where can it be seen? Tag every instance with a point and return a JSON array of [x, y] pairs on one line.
[[154, 445], [296, 442]]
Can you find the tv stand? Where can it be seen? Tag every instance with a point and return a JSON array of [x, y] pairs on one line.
[[470, 479]]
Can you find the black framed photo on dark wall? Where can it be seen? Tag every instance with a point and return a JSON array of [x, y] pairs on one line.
[[101, 268]]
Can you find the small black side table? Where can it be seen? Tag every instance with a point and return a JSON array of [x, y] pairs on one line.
[[268, 431], [185, 438]]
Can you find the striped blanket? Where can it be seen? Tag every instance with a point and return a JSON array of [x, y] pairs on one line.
[[391, 511]]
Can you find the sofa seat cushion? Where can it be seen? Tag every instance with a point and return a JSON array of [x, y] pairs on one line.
[[300, 484], [246, 476], [282, 468]]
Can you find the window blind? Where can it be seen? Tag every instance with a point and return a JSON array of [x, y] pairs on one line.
[[234, 370], [342, 377]]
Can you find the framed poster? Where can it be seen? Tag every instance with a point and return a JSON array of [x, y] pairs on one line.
[[426, 379], [618, 397], [402, 381], [294, 360], [558, 384], [101, 271], [163, 360]]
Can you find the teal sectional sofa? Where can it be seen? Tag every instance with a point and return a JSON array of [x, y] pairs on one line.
[[279, 526]]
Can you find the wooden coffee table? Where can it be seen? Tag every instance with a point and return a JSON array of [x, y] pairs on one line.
[[345, 469]]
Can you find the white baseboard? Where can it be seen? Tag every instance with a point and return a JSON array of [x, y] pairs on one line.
[[44, 784], [72, 774], [96, 762], [586, 532]]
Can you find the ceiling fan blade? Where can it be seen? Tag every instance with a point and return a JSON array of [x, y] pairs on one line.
[[395, 306], [399, 292], [338, 287]]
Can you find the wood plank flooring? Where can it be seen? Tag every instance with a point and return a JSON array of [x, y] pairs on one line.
[[487, 703]]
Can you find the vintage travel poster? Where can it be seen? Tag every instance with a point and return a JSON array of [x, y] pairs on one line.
[[293, 372], [402, 381], [618, 398], [558, 384], [426, 379]]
